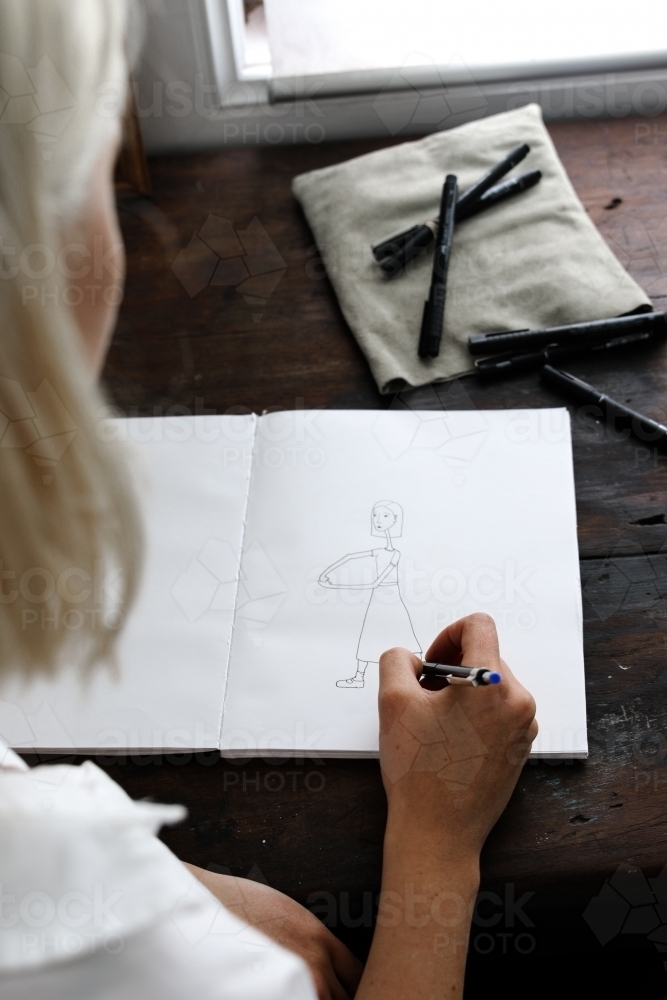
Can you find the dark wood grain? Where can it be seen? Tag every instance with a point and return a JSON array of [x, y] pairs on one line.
[[208, 351], [316, 827]]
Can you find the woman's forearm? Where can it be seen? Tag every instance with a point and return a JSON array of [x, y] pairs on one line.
[[421, 937], [435, 832]]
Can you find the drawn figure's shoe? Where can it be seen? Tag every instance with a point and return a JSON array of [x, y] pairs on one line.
[[351, 682]]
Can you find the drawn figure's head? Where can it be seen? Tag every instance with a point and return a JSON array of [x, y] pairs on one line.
[[387, 516]]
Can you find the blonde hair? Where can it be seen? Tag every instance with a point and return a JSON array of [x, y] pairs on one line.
[[69, 516]]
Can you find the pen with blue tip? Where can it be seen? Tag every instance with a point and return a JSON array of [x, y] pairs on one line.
[[475, 676]]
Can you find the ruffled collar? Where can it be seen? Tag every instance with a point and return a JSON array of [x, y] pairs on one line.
[[10, 760], [80, 865]]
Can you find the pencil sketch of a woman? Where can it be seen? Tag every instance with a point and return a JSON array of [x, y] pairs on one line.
[[386, 622]]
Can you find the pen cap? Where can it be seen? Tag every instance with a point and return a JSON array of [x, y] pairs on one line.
[[443, 245], [447, 211], [391, 246], [420, 238], [497, 194], [488, 179]]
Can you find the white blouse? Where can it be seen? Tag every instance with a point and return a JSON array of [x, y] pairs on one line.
[[94, 907]]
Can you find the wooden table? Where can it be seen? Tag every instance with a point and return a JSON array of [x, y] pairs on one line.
[[316, 828]]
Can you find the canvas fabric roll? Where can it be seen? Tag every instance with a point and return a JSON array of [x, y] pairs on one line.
[[535, 260]]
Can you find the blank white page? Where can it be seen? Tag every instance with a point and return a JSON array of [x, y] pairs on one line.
[[174, 651], [484, 519]]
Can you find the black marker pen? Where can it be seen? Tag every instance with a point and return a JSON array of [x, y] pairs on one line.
[[647, 430], [434, 307], [524, 340]]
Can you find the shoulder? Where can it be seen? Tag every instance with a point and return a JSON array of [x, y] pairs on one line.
[[71, 837], [113, 905]]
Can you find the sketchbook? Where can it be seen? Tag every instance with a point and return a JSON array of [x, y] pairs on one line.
[[286, 552]]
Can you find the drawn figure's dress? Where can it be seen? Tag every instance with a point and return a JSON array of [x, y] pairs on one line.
[[387, 622]]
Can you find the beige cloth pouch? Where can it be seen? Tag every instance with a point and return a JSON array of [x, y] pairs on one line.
[[535, 260]]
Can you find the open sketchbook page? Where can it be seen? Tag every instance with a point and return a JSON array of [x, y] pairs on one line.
[[173, 654], [367, 530]]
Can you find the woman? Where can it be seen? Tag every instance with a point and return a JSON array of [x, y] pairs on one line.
[[93, 905], [386, 622]]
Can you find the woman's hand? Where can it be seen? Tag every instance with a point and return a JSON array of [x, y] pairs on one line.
[[450, 758], [335, 970]]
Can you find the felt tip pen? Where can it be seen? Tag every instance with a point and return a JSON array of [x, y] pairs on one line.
[[470, 207], [523, 340], [394, 254], [388, 248], [434, 307], [493, 175], [391, 246], [621, 416], [476, 676], [406, 246], [498, 193], [512, 364]]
